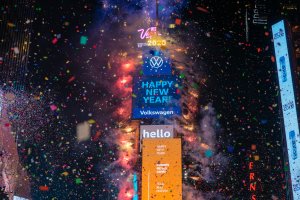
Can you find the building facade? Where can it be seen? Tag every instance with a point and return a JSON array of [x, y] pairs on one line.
[[16, 27], [15, 31]]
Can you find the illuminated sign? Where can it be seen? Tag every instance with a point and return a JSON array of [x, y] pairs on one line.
[[289, 111], [260, 13], [155, 97], [135, 187], [156, 131], [146, 34], [152, 43], [155, 63], [161, 169], [252, 179], [152, 36], [156, 42]]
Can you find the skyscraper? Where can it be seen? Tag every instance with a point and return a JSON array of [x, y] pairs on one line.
[[15, 31], [264, 159], [15, 26]]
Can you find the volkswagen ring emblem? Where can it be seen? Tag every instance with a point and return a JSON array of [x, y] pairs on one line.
[[156, 62]]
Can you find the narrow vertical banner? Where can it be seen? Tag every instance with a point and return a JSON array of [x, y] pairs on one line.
[[161, 169], [291, 126], [135, 187], [254, 181]]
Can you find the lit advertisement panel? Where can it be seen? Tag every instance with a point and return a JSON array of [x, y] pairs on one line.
[[161, 169], [155, 97], [155, 62], [291, 126], [135, 187], [156, 131]]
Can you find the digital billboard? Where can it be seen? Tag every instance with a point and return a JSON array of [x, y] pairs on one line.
[[155, 62], [161, 169], [288, 105], [155, 97]]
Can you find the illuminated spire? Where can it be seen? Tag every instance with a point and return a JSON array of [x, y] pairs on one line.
[[157, 2]]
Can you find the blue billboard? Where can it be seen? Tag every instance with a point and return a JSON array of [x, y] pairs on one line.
[[288, 104], [155, 62], [155, 97]]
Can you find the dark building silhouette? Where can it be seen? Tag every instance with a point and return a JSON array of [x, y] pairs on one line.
[[264, 158], [15, 30], [16, 20]]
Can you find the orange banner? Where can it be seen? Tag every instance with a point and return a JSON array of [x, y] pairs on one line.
[[161, 169]]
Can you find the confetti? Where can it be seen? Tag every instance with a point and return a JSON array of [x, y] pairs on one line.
[[83, 40]]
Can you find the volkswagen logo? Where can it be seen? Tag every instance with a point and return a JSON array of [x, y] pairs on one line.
[[156, 62]]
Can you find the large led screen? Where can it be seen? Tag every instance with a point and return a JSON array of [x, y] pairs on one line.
[[291, 126], [155, 97], [161, 169]]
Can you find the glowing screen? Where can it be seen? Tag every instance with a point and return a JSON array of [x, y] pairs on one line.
[[288, 104]]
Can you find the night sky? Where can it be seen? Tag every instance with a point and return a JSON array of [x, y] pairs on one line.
[[75, 82]]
